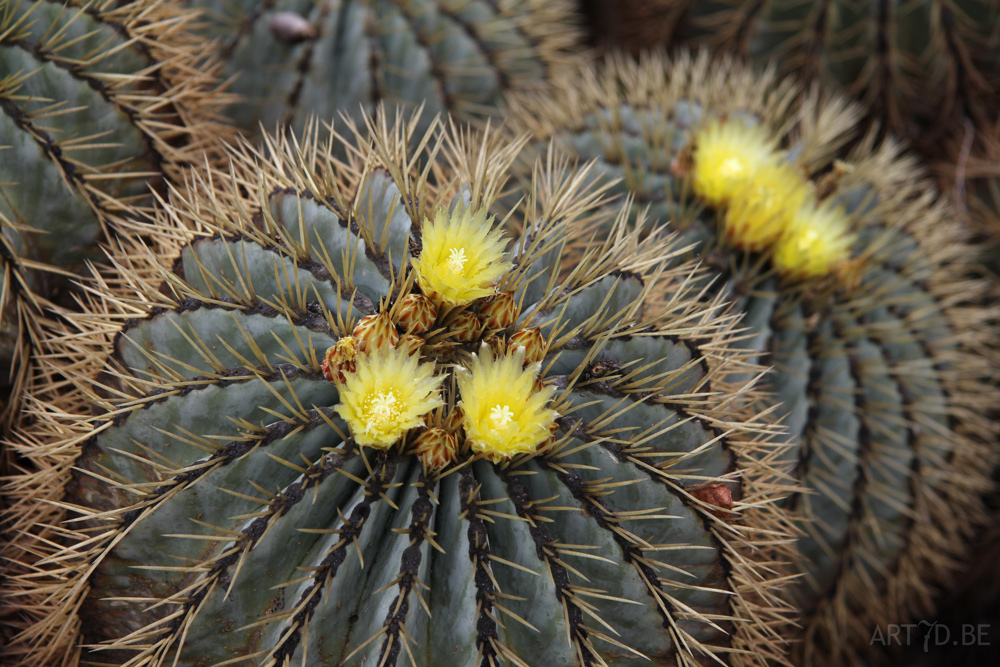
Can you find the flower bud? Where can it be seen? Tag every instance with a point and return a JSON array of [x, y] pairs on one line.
[[415, 314], [464, 326], [717, 495], [497, 345], [410, 343], [499, 312], [375, 332], [339, 360], [435, 448], [532, 341]]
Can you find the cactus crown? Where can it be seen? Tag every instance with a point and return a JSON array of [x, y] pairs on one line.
[[876, 356], [302, 455]]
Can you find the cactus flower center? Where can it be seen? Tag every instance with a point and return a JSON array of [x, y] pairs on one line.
[[817, 240], [732, 167], [489, 387], [726, 153], [456, 261], [461, 258], [388, 393], [500, 417], [381, 409]]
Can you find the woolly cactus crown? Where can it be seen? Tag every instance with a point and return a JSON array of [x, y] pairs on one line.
[[580, 483], [880, 357]]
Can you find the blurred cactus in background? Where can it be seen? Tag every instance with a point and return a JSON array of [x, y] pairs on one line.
[[918, 66], [880, 359], [294, 59]]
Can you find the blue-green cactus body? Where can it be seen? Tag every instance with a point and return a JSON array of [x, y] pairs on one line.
[[93, 119], [270, 534], [871, 377], [295, 59]]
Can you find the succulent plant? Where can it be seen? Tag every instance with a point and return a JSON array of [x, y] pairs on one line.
[[360, 420], [918, 66], [295, 59], [856, 292], [101, 102]]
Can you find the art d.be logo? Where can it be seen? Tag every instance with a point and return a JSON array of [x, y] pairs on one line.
[[929, 634]]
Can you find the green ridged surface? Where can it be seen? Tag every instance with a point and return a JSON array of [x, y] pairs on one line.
[[274, 536], [452, 56], [872, 382], [920, 65], [92, 118], [63, 127]]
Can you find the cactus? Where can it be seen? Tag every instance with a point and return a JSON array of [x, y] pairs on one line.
[[919, 66], [293, 60], [878, 360], [358, 420], [99, 102]]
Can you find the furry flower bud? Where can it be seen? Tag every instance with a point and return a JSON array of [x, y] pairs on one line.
[[435, 448], [339, 360], [465, 327]]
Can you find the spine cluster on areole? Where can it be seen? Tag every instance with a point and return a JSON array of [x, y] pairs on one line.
[[363, 407]]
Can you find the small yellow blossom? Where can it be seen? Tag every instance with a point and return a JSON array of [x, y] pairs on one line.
[[504, 414], [818, 238], [726, 153], [462, 256], [388, 394], [763, 206]]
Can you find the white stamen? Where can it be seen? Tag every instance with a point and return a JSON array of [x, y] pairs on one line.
[[456, 260]]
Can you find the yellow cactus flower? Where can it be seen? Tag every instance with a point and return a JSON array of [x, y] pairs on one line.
[[388, 393], [818, 239], [763, 206], [726, 153], [504, 415], [462, 256]]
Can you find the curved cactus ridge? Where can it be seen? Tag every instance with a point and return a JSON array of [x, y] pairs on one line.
[[920, 66], [292, 59], [230, 515], [100, 101], [878, 369]]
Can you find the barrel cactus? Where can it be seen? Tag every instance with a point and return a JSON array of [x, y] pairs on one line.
[[360, 420], [917, 65], [292, 59], [854, 285], [101, 102]]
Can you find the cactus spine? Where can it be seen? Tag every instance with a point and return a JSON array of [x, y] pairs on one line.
[[255, 486], [920, 66], [295, 59], [878, 367], [99, 102]]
